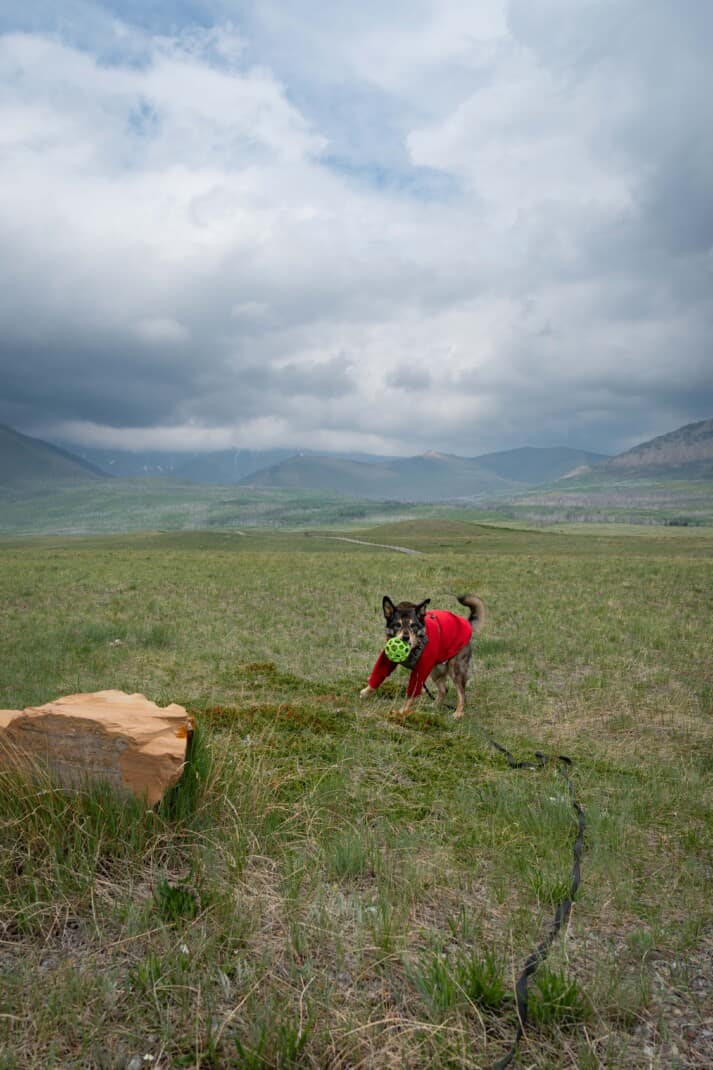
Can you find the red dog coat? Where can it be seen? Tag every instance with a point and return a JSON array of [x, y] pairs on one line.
[[447, 634]]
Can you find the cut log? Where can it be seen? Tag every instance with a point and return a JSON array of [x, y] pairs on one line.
[[126, 740]]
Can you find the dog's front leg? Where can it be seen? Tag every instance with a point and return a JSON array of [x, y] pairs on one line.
[[439, 676], [407, 706], [366, 691]]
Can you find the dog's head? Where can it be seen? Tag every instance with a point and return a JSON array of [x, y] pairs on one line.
[[407, 621]]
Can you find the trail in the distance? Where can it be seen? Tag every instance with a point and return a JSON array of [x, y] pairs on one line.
[[363, 542]]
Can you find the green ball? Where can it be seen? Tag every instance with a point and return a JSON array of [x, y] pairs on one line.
[[397, 649]]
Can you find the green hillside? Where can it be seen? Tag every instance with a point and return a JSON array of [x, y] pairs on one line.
[[537, 464], [28, 462]]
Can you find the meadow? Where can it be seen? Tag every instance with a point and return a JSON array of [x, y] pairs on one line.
[[335, 885], [124, 505]]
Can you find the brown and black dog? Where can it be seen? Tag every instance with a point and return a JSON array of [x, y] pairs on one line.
[[440, 643]]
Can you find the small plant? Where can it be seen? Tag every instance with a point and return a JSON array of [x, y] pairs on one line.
[[145, 975], [176, 903], [549, 889], [156, 634], [279, 1044], [434, 981], [463, 927], [470, 979], [480, 979], [383, 921], [348, 856], [556, 999]]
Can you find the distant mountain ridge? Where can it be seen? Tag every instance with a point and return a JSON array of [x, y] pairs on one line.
[[688, 449], [531, 464], [26, 462], [224, 467], [683, 454], [428, 477], [432, 476], [686, 453], [213, 466]]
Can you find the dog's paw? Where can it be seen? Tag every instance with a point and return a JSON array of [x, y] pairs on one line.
[[366, 691]]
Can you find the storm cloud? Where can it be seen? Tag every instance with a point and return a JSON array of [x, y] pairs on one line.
[[342, 227]]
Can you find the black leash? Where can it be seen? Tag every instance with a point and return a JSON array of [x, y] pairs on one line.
[[563, 908]]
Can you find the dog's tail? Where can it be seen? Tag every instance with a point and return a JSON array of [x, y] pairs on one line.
[[477, 610]]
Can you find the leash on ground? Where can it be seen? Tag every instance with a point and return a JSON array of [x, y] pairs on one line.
[[563, 908]]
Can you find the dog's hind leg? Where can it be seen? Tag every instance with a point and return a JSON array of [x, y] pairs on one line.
[[459, 667], [460, 707]]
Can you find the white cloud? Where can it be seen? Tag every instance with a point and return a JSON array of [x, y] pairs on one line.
[[430, 226], [399, 54]]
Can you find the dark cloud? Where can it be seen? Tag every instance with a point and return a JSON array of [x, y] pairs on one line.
[[389, 229]]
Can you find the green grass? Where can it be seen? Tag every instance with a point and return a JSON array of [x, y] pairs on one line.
[[332, 884]]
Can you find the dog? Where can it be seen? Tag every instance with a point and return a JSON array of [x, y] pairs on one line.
[[440, 643]]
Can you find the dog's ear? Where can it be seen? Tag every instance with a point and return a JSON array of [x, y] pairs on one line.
[[388, 606], [421, 607]]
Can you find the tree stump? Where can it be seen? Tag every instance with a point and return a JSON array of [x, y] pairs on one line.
[[127, 740]]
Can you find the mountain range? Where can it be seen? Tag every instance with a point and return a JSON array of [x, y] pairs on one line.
[[431, 476], [687, 453], [428, 477]]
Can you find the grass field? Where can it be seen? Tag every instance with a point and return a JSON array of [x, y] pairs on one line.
[[333, 885]]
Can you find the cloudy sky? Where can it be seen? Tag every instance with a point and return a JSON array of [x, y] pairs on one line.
[[426, 224]]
